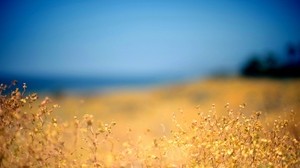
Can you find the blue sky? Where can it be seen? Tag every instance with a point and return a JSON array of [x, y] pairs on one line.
[[140, 38]]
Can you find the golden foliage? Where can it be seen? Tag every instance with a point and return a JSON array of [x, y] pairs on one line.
[[34, 137]]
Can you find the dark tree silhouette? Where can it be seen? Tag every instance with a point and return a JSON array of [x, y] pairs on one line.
[[252, 67], [270, 67], [271, 60]]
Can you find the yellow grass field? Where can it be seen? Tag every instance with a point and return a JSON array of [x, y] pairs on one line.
[[140, 110], [217, 122]]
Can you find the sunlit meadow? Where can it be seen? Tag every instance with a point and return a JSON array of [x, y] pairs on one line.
[[179, 126]]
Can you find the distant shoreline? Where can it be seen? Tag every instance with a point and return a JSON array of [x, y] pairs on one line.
[[59, 84]]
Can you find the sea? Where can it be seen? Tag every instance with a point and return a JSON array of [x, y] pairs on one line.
[[86, 85]]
